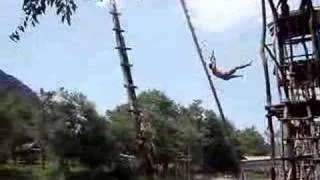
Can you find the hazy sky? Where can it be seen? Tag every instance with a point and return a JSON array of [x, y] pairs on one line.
[[82, 57]]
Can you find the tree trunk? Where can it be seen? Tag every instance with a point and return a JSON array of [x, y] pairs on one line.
[[43, 160], [165, 168]]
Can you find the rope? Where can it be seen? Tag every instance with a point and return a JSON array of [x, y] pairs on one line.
[[199, 51], [212, 57]]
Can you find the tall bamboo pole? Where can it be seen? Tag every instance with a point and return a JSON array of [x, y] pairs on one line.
[[146, 148], [199, 51]]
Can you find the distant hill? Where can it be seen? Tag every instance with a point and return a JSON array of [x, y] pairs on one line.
[[9, 83]]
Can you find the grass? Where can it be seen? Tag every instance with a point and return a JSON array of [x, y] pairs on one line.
[[161, 178], [36, 172], [256, 175], [15, 173]]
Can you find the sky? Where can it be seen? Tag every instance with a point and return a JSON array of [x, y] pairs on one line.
[[82, 57]]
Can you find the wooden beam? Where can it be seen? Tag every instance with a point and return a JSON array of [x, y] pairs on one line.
[[267, 85]]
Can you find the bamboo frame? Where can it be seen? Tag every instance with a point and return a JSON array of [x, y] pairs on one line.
[[293, 135]]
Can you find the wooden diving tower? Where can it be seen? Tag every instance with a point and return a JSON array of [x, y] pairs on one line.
[[145, 147], [293, 53]]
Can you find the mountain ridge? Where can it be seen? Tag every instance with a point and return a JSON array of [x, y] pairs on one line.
[[9, 83]]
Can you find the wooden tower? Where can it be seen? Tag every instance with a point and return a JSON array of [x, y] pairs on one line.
[[293, 54], [145, 147]]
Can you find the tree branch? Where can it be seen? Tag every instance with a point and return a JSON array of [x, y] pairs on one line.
[[33, 9]]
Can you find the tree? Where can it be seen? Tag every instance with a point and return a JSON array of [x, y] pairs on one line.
[[65, 119], [163, 114], [73, 129], [219, 153], [32, 9], [122, 128], [213, 142], [16, 122], [96, 140], [191, 125], [179, 130], [45, 123], [252, 142]]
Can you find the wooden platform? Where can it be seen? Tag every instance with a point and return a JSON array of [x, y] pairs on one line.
[[294, 25], [303, 72], [296, 110]]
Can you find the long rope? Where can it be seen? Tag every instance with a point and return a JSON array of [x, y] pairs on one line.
[[196, 42]]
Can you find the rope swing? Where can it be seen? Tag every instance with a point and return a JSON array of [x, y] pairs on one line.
[[199, 51]]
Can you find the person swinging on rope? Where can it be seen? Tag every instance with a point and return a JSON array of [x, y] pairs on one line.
[[223, 74]]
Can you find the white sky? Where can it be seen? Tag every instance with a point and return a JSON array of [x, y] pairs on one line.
[[213, 15], [103, 3], [218, 15]]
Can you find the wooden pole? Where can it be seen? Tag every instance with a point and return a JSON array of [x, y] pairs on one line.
[[267, 85], [145, 149]]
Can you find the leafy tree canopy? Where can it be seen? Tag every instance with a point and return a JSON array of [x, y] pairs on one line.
[[252, 142], [67, 125], [33, 9]]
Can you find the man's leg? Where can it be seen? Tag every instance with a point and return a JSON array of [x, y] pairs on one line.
[[226, 78], [232, 71], [244, 66]]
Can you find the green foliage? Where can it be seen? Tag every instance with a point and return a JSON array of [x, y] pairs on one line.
[[33, 9], [15, 174], [163, 114], [96, 141], [178, 130], [90, 175], [252, 142], [66, 125], [16, 123], [219, 152], [72, 128], [123, 129], [58, 123]]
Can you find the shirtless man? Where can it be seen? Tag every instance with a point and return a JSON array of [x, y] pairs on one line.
[[223, 74]]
